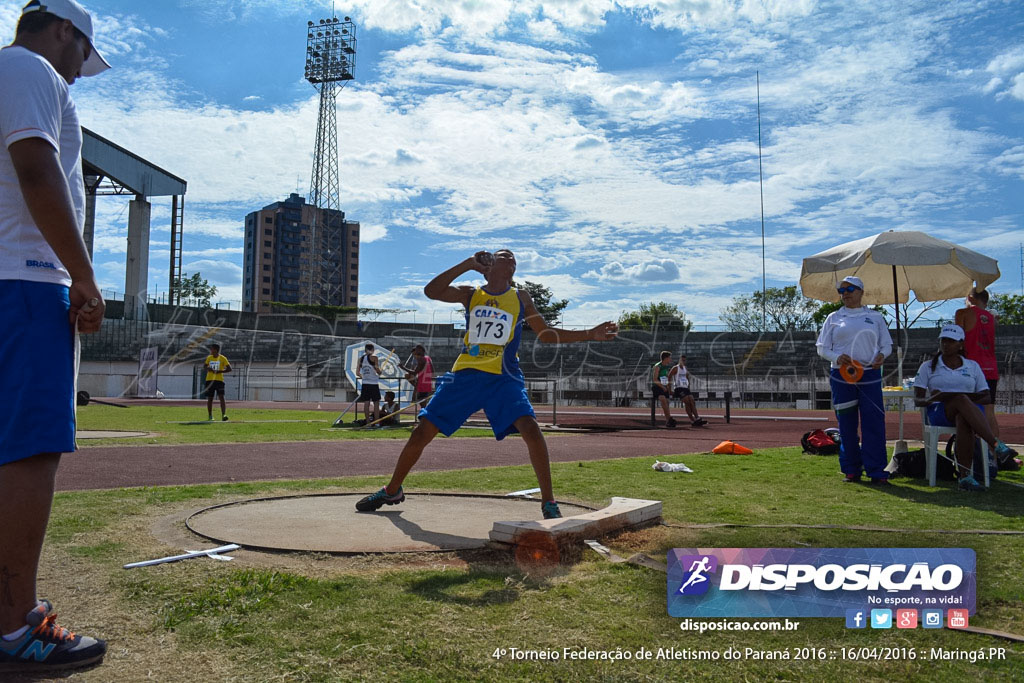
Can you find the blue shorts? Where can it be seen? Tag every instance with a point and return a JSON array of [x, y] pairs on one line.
[[460, 394], [37, 370], [937, 414]]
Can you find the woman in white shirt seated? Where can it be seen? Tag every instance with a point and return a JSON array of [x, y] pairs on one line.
[[954, 389]]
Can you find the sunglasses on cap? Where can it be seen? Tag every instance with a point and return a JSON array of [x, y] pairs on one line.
[[847, 289]]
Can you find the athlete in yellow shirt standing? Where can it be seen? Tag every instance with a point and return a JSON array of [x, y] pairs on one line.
[[486, 374], [216, 365]]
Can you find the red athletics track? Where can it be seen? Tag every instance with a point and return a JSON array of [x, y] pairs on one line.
[[118, 466]]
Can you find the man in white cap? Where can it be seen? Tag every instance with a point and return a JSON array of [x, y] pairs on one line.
[[47, 291]]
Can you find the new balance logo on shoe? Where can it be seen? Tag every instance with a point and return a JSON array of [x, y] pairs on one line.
[[46, 646]]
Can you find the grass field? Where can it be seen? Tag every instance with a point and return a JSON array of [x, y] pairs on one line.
[[443, 617], [177, 425]]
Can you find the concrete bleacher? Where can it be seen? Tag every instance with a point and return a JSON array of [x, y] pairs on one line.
[[772, 368]]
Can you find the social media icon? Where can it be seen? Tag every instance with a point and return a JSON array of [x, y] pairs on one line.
[[931, 618], [957, 618], [906, 618], [881, 618], [856, 618]]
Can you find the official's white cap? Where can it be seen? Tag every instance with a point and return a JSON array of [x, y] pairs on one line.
[[80, 19], [954, 332], [855, 281]]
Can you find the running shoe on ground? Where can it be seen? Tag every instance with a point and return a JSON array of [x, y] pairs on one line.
[[671, 424], [1003, 451], [881, 481], [376, 500], [47, 646], [851, 478], [969, 483], [550, 510], [223, 418]]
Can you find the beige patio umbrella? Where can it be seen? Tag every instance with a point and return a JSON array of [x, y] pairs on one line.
[[892, 264]]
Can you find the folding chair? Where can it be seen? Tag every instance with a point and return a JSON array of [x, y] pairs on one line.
[[931, 434]]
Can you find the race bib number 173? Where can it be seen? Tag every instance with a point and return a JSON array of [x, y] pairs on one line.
[[488, 325]]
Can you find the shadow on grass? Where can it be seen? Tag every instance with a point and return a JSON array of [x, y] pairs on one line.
[[463, 589], [1000, 499]]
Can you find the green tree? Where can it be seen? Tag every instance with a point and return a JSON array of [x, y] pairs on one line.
[[777, 308], [655, 315], [196, 288], [1009, 308], [542, 299]]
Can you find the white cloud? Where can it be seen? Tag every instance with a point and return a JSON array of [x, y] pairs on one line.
[[371, 232], [530, 260], [1007, 69], [657, 270], [1010, 162], [224, 275], [219, 251]]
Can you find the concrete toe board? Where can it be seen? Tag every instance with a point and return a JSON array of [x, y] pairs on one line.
[[329, 523]]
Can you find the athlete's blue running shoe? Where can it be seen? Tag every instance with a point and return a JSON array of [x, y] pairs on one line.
[[1003, 451], [969, 483], [377, 500], [550, 510]]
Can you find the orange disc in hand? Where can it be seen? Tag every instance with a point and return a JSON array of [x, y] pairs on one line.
[[853, 372]]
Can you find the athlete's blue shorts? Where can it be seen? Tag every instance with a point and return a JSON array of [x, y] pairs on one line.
[[37, 370], [937, 414], [460, 394]]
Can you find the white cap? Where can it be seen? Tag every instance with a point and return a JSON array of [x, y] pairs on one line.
[[855, 281], [80, 19], [954, 332]]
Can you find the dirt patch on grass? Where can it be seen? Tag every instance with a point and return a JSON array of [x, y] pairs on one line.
[[138, 648]]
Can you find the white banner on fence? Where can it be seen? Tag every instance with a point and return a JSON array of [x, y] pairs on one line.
[[148, 365]]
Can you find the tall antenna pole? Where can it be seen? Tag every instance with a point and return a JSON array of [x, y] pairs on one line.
[[760, 175]]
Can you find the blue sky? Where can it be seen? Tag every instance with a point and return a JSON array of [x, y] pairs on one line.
[[612, 145]]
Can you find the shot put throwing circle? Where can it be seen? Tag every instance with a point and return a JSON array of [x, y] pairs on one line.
[[329, 523]]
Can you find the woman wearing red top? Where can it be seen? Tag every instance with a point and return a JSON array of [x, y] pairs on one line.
[[980, 344]]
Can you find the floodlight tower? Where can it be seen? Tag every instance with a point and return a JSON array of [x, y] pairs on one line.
[[330, 63]]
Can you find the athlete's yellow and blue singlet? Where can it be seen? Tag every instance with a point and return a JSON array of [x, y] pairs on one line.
[[494, 325]]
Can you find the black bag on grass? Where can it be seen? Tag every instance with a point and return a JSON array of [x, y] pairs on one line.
[[909, 464]]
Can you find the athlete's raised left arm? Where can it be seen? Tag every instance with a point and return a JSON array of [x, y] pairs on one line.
[[554, 335]]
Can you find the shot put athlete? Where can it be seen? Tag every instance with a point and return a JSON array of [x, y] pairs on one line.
[[486, 374]]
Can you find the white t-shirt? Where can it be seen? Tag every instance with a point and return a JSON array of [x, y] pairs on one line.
[[34, 103], [969, 378], [860, 333], [681, 380], [367, 372]]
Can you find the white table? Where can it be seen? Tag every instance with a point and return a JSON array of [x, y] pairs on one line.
[[900, 394]]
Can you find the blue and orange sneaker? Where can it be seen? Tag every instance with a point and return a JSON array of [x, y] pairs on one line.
[[375, 501], [45, 646]]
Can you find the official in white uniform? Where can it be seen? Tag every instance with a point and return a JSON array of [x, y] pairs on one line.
[[852, 336]]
